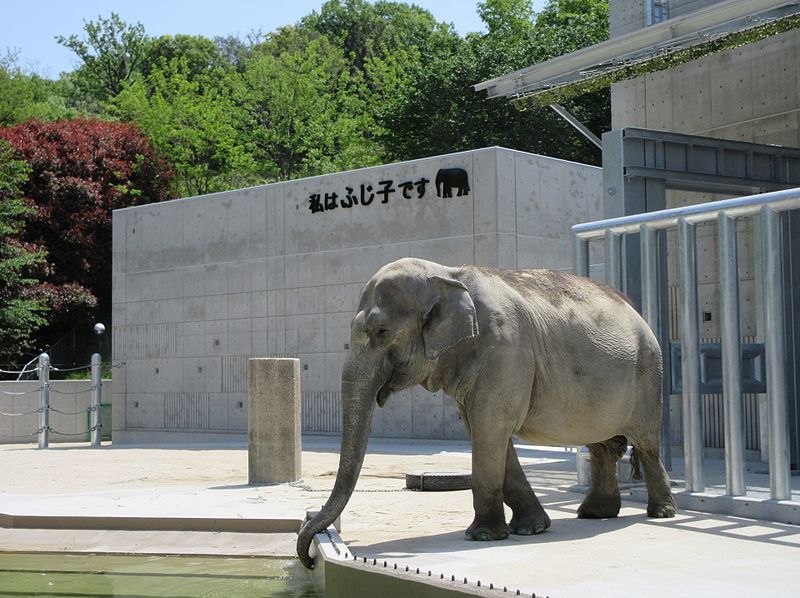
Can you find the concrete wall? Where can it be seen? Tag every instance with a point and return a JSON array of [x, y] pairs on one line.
[[748, 94], [72, 398], [202, 284]]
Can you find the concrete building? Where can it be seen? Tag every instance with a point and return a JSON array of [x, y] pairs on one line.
[[203, 284], [736, 78]]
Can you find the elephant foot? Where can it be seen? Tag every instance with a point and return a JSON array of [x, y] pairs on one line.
[[528, 525], [486, 533], [661, 511], [599, 507]]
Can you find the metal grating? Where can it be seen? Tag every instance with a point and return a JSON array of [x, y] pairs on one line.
[[187, 410], [150, 341], [321, 412]]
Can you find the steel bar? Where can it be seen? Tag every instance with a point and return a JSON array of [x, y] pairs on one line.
[[680, 31], [690, 358], [97, 398], [577, 124], [731, 355], [613, 260], [649, 248], [779, 473], [648, 240], [580, 264], [778, 201], [44, 401]]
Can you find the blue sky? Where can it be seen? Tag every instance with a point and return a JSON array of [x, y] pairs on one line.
[[30, 27]]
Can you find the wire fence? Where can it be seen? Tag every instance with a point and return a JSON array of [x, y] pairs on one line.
[[44, 389]]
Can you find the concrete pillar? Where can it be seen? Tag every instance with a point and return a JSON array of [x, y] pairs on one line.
[[273, 420]]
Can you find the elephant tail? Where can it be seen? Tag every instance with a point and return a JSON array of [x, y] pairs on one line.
[[636, 470]]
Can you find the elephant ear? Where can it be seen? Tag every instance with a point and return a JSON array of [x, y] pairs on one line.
[[449, 315]]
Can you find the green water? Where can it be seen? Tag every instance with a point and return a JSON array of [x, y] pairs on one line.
[[162, 576]]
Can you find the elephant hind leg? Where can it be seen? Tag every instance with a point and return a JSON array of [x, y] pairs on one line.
[[603, 499], [660, 502], [528, 516]]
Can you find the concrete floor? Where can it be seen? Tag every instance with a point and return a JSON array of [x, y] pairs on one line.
[[692, 554]]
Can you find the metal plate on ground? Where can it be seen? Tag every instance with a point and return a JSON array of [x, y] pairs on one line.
[[438, 481]]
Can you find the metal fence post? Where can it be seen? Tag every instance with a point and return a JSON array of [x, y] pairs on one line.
[[613, 260], [693, 448], [731, 355], [779, 474], [580, 264], [44, 400], [648, 239], [97, 386]]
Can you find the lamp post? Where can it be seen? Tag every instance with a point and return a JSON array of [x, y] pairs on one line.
[[99, 329]]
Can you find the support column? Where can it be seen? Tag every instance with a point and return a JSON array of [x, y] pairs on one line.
[[274, 447]]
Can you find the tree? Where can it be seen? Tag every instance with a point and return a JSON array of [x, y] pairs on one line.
[[441, 112], [199, 55], [194, 122], [364, 30], [21, 311], [79, 171], [112, 53], [27, 95], [304, 109]]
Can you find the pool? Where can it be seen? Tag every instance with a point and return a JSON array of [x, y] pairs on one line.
[[48, 574]]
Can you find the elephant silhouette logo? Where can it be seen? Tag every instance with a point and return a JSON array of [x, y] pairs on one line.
[[449, 178]]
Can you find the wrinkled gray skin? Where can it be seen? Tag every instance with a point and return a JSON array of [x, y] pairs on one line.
[[545, 356]]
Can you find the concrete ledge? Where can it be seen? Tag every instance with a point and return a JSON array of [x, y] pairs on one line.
[[192, 524], [782, 511], [339, 574], [164, 437]]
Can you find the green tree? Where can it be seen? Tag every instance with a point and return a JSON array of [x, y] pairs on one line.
[[199, 55], [304, 109], [441, 112], [21, 311], [27, 95], [193, 121], [112, 52], [364, 30], [507, 17]]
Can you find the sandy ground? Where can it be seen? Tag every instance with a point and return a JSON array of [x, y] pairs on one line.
[[631, 555]]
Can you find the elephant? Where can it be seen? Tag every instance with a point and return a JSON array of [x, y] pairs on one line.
[[546, 356], [447, 178]]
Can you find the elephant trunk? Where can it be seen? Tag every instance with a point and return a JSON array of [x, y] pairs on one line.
[[357, 407]]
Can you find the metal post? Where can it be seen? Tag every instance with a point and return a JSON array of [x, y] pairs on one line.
[[648, 239], [690, 359], [613, 260], [580, 264], [97, 386], [779, 474], [731, 355], [44, 400]]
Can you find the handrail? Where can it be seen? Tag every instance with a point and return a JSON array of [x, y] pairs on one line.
[[778, 201]]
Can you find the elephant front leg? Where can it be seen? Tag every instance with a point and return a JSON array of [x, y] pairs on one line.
[[529, 516], [488, 465]]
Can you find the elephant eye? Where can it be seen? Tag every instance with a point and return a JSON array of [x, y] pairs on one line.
[[380, 334]]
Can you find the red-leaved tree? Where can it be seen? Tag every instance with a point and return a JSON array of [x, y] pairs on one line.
[[81, 170]]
